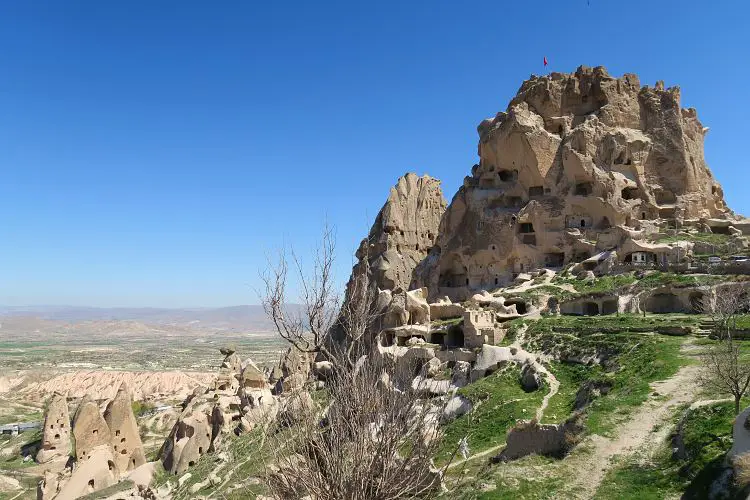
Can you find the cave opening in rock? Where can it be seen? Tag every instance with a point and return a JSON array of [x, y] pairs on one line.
[[521, 307], [584, 189], [590, 309], [454, 338], [696, 302], [609, 306], [507, 175], [437, 338], [536, 191], [631, 193], [662, 303]]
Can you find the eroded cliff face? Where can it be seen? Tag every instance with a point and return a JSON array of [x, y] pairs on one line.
[[576, 165], [404, 231]]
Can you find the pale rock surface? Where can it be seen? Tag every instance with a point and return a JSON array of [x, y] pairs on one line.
[[56, 431], [90, 430], [97, 472], [455, 407], [123, 428], [103, 384]]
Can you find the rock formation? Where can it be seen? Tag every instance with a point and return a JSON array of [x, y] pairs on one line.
[[239, 397], [123, 428], [95, 473], [577, 165], [404, 231], [90, 430], [56, 432]]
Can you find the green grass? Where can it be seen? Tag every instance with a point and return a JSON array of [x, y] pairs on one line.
[[447, 322], [570, 376], [658, 279], [650, 360], [631, 362], [743, 322], [499, 402], [141, 408], [707, 438], [525, 488]]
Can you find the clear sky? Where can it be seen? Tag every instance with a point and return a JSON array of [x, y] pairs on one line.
[[153, 152]]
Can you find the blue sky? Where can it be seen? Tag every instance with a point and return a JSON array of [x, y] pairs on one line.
[[152, 153]]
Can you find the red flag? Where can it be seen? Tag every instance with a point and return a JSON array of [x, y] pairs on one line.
[[545, 61]]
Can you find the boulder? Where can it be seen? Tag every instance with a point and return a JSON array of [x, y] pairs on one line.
[[252, 377], [456, 406], [530, 380], [461, 373], [323, 369], [190, 438]]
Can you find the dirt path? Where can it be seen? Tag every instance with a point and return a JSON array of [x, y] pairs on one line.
[[643, 430]]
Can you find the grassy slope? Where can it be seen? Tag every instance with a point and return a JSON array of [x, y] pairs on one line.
[[707, 436], [499, 402], [637, 360]]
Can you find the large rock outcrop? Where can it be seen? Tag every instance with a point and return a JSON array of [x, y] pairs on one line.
[[578, 164], [90, 430], [239, 398], [404, 231]]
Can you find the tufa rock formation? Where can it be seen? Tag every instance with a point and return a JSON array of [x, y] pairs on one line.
[[238, 399], [106, 447], [96, 473], [123, 428], [90, 430], [577, 165], [56, 432], [404, 231], [401, 237]]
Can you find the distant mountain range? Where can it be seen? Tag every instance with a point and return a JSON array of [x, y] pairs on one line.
[[245, 316]]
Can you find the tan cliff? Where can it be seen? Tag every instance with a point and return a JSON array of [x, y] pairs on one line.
[[578, 164], [584, 172]]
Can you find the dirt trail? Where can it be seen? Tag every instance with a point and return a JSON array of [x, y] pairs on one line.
[[643, 430]]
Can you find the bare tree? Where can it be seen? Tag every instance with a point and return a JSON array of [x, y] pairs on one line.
[[726, 369], [374, 439], [730, 302]]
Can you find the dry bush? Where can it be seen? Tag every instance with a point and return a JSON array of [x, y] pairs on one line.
[[372, 441], [742, 470], [367, 438]]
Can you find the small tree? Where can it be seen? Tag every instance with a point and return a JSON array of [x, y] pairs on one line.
[[725, 368], [374, 439], [731, 301]]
